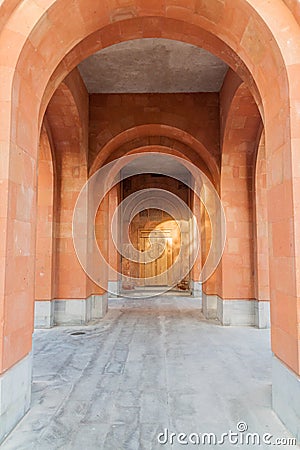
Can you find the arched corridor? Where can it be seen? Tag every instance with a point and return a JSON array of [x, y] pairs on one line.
[[198, 99]]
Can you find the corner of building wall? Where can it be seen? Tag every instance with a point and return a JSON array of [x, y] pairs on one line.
[[15, 395]]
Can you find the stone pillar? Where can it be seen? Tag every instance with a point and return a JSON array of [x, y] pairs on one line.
[[45, 255], [113, 228], [195, 283], [17, 262], [261, 241]]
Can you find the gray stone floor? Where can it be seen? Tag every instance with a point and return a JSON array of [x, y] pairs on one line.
[[147, 366]]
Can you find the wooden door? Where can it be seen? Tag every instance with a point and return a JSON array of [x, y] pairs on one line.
[[156, 256]]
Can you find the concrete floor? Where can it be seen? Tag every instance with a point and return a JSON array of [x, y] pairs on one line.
[[148, 365]]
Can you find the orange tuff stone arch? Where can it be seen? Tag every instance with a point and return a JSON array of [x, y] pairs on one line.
[[260, 40], [183, 127], [45, 246], [240, 126], [67, 115], [114, 199], [67, 131], [154, 130], [261, 268], [172, 146], [181, 143]]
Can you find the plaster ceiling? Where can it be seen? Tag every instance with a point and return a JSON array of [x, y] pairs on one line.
[[152, 66], [157, 163]]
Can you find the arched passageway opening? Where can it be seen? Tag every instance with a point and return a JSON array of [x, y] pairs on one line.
[[46, 49]]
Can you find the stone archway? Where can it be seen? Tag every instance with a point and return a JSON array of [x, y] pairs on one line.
[[45, 48], [194, 203], [234, 301]]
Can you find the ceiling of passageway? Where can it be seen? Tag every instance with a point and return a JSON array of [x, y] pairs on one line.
[[153, 66], [157, 163]]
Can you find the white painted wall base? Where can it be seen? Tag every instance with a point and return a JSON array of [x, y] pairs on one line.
[[70, 312], [209, 306], [43, 314], [15, 395], [286, 396], [80, 311], [98, 306], [113, 288], [262, 314], [196, 289], [237, 312]]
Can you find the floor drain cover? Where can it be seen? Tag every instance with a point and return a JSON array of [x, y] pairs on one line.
[[77, 333]]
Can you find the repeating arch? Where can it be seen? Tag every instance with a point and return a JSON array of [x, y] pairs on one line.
[[156, 130], [241, 128], [261, 43]]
